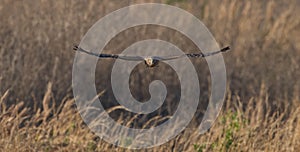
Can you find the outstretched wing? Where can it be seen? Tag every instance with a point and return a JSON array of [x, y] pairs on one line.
[[164, 58], [191, 55], [123, 57], [160, 58], [130, 58], [225, 49]]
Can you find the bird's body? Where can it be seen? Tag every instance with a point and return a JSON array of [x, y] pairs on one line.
[[150, 61]]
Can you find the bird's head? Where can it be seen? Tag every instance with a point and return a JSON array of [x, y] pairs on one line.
[[149, 61]]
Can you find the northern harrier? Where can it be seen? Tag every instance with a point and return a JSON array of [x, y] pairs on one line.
[[150, 61]]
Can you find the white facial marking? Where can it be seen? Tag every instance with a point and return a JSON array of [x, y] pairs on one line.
[[149, 61]]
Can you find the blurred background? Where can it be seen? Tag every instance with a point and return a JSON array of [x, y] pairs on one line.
[[36, 57]]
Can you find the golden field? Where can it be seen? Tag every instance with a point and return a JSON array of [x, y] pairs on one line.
[[261, 111]]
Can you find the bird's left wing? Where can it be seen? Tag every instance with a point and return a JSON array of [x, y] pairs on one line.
[[120, 56], [130, 58]]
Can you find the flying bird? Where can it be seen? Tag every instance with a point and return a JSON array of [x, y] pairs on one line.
[[150, 61]]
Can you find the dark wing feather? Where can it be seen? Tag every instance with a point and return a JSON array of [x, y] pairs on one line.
[[208, 54], [165, 58], [216, 52], [191, 55], [123, 57], [130, 58]]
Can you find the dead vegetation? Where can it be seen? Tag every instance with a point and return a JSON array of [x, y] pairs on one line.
[[262, 107]]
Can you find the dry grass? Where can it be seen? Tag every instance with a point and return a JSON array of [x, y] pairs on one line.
[[241, 127], [262, 107]]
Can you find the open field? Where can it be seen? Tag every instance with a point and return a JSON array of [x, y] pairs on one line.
[[262, 106]]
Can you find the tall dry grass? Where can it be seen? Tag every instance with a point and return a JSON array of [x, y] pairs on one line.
[[240, 127], [261, 111]]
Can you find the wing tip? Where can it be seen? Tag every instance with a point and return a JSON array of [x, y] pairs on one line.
[[225, 49], [75, 47]]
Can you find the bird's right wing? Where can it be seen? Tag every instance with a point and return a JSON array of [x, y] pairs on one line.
[[165, 58], [225, 49], [191, 55], [197, 55], [123, 57]]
